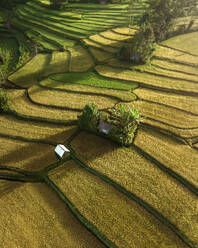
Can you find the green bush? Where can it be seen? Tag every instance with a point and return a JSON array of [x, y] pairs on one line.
[[124, 122], [4, 106]]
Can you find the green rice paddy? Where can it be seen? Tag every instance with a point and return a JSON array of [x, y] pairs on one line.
[[101, 194]]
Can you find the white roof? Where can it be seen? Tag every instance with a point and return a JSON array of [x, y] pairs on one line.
[[60, 150]]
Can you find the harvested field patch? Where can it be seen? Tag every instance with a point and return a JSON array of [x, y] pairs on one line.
[[92, 79], [40, 65], [68, 99], [175, 56], [147, 79], [120, 94], [80, 59], [91, 43], [100, 203], [26, 155], [38, 218], [173, 154], [184, 42], [9, 125], [124, 30], [182, 102], [99, 55], [106, 42], [21, 104]]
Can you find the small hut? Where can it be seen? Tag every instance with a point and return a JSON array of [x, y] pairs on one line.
[[104, 127], [61, 150]]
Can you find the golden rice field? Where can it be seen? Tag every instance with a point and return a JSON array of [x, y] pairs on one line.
[[105, 195]]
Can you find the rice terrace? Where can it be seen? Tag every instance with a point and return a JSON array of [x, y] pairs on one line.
[[98, 123]]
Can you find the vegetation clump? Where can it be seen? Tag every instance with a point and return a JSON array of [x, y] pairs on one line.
[[4, 105], [121, 123]]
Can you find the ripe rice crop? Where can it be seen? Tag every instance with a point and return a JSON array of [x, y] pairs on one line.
[[115, 36], [9, 125], [188, 44], [40, 65], [21, 105], [99, 55], [80, 59], [124, 30], [168, 115], [26, 155], [171, 66], [100, 46], [120, 94], [105, 41], [175, 55], [141, 177], [173, 154], [186, 103], [68, 99], [147, 79], [100, 203], [42, 219]]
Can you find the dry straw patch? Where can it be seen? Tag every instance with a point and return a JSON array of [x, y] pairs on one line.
[[20, 104], [102, 47], [168, 65], [147, 79], [28, 155], [80, 59], [174, 55], [187, 103], [99, 55], [144, 179], [122, 220], [177, 156], [33, 216], [40, 65], [122, 94], [9, 125], [67, 99], [105, 41]]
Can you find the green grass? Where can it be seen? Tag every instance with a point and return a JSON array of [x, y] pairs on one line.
[[92, 79]]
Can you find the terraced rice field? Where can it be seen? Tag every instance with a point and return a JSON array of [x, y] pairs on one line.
[[100, 194]]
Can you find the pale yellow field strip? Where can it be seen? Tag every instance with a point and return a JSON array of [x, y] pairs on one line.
[[67, 99], [20, 104], [182, 57], [143, 178], [147, 79], [187, 103], [104, 48], [125, 30], [121, 219], [106, 42], [40, 65], [154, 70], [167, 115], [177, 156], [122, 94], [28, 155], [168, 65], [119, 37], [80, 59], [99, 55], [33, 216], [185, 42], [34, 130]]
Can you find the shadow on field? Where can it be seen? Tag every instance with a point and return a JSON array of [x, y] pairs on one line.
[[32, 156]]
